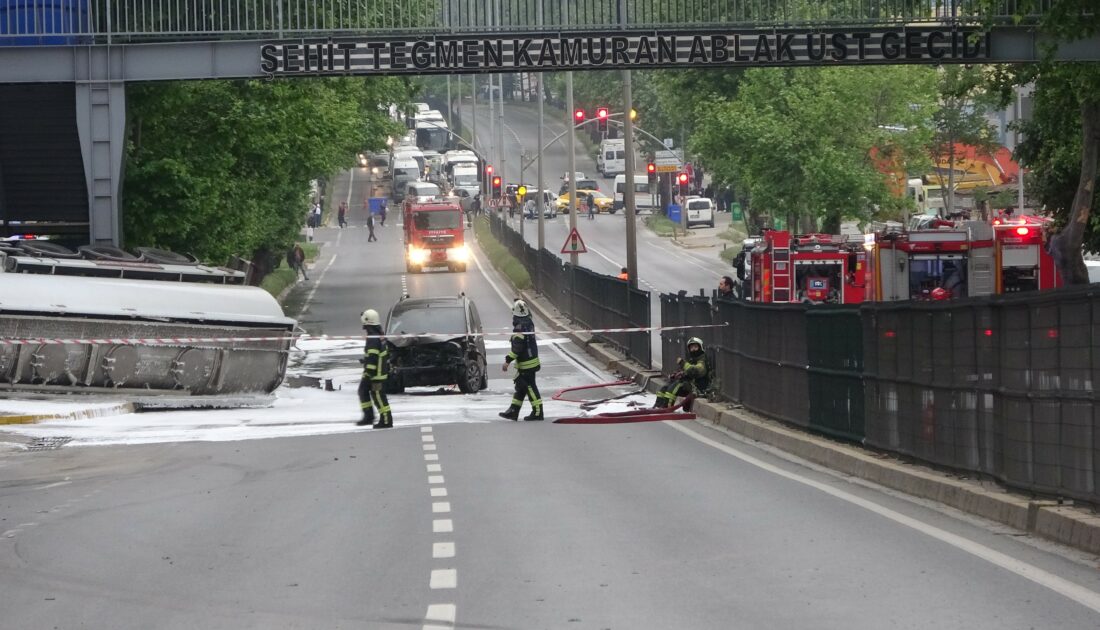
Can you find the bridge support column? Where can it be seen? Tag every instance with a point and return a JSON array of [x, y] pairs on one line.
[[101, 124]]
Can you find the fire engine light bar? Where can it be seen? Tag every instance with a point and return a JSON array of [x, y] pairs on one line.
[[1022, 231]]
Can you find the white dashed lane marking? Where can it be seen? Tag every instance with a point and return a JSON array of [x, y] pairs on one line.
[[441, 507], [439, 492], [442, 526], [440, 616], [427, 438], [443, 578], [431, 457], [434, 479], [443, 550], [434, 468]]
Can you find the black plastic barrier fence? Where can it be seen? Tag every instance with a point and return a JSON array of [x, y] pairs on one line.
[[1005, 386], [591, 299]]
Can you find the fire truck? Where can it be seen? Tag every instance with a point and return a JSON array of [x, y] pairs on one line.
[[953, 261], [807, 268], [434, 236], [1022, 260]]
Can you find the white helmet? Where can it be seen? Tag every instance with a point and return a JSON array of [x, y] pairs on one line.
[[370, 318], [519, 309]]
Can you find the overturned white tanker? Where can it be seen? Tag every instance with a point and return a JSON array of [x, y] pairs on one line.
[[155, 328]]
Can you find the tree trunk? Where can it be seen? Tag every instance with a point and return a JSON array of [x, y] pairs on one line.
[[950, 209], [1071, 262]]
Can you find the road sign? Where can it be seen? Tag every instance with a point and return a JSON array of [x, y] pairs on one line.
[[668, 143], [669, 161], [574, 244], [665, 168]]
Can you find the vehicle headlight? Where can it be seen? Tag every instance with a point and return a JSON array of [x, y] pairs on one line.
[[459, 254], [417, 256]]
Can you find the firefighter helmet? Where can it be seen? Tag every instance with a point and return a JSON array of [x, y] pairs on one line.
[[695, 341], [370, 318], [519, 309]]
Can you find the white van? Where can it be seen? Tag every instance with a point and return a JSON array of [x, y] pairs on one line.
[[612, 157], [403, 172], [464, 177], [644, 199], [422, 192], [700, 211], [410, 153]]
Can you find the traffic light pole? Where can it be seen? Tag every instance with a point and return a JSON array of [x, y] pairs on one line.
[[572, 209], [628, 188], [538, 189]]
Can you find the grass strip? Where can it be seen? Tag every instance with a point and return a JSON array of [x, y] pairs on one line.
[[499, 255], [660, 225], [283, 276]]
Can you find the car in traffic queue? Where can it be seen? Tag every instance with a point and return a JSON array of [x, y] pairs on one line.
[[436, 341], [549, 205], [700, 211], [604, 203], [582, 184]]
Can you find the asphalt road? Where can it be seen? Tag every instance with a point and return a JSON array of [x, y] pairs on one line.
[[495, 524]]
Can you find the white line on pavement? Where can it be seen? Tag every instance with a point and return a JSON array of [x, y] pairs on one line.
[[425, 429], [441, 612], [443, 550], [429, 447], [443, 526], [1070, 590], [431, 457], [441, 507], [438, 492], [443, 578], [427, 438], [434, 479], [434, 468], [320, 278]]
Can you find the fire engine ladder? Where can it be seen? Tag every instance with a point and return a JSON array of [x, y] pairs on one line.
[[781, 274]]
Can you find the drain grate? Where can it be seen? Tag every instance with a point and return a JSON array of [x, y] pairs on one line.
[[48, 443]]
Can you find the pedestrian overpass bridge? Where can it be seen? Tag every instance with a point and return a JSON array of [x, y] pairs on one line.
[[64, 63]]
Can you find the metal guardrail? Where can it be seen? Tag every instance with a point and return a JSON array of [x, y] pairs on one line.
[[591, 299], [167, 20], [1003, 386]]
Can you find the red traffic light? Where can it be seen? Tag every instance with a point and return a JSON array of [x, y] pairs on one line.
[[489, 169], [601, 113], [579, 115], [651, 168], [496, 182], [682, 178]]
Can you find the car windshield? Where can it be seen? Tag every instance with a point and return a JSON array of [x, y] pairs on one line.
[[699, 205], [466, 182], [445, 320], [437, 220], [425, 190]]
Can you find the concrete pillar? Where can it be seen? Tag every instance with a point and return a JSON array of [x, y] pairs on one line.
[[101, 125]]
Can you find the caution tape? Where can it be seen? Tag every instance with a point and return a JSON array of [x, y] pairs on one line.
[[161, 341]]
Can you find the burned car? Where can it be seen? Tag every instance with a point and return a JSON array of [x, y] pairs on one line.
[[436, 341]]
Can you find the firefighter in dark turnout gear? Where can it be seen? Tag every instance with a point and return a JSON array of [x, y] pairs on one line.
[[375, 362], [525, 352], [692, 379]]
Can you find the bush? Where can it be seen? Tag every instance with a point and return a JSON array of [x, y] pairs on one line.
[[283, 276], [499, 256], [660, 225]]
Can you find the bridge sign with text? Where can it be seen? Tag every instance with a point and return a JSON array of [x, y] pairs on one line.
[[778, 47]]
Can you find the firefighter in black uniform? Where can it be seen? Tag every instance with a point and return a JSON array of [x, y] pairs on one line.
[[692, 379], [375, 361], [525, 352]]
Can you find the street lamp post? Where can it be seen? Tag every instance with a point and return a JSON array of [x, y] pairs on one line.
[[539, 199], [628, 188], [572, 191]]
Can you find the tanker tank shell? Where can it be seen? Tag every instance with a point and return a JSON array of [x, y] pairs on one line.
[[34, 306]]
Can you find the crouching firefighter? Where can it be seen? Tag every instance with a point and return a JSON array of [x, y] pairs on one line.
[[375, 368], [692, 379], [525, 352]]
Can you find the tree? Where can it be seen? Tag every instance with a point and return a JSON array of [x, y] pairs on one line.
[[1067, 97], [222, 168], [781, 137], [960, 118]]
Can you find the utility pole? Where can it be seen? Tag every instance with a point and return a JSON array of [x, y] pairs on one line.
[[572, 206], [628, 188], [539, 200], [500, 131], [473, 131], [450, 119], [1020, 169]]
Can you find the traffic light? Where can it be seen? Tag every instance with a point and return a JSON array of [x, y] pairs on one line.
[[651, 170], [496, 187], [633, 114], [682, 179], [578, 116], [601, 118], [521, 192]]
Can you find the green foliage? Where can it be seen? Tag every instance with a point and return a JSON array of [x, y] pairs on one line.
[[661, 225], [782, 138], [283, 276], [499, 256], [222, 168]]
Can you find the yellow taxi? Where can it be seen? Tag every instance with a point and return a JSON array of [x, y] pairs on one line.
[[604, 203]]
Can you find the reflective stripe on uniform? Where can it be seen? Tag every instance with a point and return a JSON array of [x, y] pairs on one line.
[[529, 364]]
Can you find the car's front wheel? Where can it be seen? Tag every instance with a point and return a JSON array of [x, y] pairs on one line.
[[472, 376]]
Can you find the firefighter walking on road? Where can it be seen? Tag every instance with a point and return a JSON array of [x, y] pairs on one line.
[[525, 352], [692, 379], [372, 394]]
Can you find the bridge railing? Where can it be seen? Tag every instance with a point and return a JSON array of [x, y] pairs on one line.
[[37, 22]]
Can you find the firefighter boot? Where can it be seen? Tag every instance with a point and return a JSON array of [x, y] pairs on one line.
[[511, 414], [385, 422], [534, 415], [368, 418]]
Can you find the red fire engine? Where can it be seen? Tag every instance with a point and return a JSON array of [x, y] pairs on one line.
[[811, 267], [1023, 261], [434, 236], [934, 264]]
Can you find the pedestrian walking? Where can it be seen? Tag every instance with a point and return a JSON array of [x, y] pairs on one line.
[[316, 215], [342, 215], [296, 260], [692, 379], [477, 204], [309, 233], [370, 227], [382, 213], [372, 385], [525, 352], [591, 201]]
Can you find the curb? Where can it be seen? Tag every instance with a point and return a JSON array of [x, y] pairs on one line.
[[1063, 524], [81, 414]]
